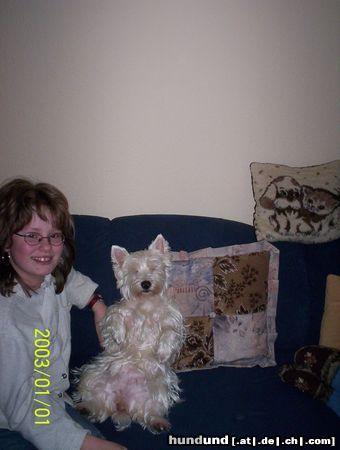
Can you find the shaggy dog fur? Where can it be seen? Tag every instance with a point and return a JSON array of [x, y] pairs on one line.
[[133, 379]]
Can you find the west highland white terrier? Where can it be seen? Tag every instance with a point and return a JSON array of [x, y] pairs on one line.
[[132, 379]]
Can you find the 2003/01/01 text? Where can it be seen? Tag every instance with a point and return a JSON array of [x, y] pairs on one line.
[[42, 380]]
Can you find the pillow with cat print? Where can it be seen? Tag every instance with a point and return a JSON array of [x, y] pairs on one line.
[[300, 204]]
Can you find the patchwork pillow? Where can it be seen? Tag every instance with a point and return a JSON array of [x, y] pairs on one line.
[[330, 325], [299, 204], [228, 297]]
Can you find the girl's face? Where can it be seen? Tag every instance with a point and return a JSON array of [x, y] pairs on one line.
[[33, 263]]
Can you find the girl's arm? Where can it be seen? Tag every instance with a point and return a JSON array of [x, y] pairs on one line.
[[98, 308], [94, 443]]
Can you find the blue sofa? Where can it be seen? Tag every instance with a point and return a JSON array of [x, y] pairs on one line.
[[240, 403]]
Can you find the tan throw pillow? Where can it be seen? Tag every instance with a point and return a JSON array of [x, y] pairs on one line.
[[228, 298], [299, 204], [330, 325]]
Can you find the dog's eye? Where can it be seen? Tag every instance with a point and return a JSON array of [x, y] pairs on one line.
[[133, 268], [152, 267]]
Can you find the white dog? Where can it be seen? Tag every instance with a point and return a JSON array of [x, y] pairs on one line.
[[132, 379]]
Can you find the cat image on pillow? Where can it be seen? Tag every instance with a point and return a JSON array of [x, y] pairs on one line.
[[320, 208]]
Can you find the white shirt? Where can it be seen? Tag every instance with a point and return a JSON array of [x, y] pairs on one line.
[[35, 332]]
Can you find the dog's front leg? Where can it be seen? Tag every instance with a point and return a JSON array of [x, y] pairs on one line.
[[170, 343], [113, 328]]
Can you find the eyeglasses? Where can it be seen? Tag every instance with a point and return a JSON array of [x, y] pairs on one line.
[[35, 238]]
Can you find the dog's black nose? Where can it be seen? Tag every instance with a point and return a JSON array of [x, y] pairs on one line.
[[146, 285]]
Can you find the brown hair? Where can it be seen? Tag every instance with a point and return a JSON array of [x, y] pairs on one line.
[[19, 198]]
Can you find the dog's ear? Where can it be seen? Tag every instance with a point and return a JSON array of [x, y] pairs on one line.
[[118, 255], [160, 244], [269, 196]]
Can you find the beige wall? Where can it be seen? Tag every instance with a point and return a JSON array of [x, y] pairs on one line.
[[159, 106]]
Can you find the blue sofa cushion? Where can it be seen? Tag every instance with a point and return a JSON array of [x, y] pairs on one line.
[[93, 260], [293, 308], [238, 402], [182, 232], [93, 251]]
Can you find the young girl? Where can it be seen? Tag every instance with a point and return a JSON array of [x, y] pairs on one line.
[[38, 286]]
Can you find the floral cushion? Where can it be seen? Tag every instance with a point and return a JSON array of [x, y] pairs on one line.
[[299, 204], [228, 298]]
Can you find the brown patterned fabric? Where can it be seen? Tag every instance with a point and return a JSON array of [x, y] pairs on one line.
[[306, 382], [313, 371], [241, 283], [228, 299], [322, 361], [198, 350]]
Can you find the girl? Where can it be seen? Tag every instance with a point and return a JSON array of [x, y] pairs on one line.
[[38, 286]]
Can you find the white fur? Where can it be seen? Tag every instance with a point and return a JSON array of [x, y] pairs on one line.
[[132, 379]]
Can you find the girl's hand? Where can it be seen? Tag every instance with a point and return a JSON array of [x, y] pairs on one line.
[[99, 311], [94, 443]]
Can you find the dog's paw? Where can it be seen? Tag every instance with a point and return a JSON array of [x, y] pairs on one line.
[[167, 347], [121, 420], [113, 329], [163, 354], [159, 425]]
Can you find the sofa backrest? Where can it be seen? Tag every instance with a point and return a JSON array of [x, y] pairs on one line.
[[302, 273]]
